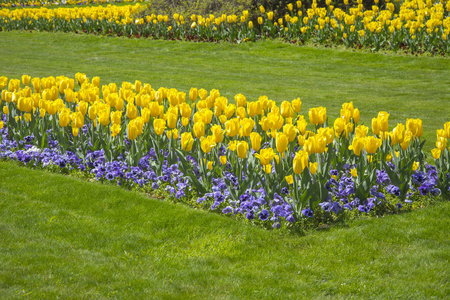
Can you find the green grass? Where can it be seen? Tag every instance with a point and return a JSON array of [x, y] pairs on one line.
[[405, 86], [64, 237]]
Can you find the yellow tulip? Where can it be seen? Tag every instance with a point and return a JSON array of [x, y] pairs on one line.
[[290, 131], [254, 108], [171, 120], [407, 139], [217, 132], [267, 168], [5, 110], [75, 131], [199, 129], [376, 126], [26, 79], [133, 130], [289, 179], [339, 126], [317, 115], [115, 129], [436, 153], [240, 99], [356, 115], [223, 159], [281, 142], [297, 105], [77, 119], [232, 127], [300, 161], [361, 131], [207, 143], [357, 145], [64, 117], [202, 93], [1, 124], [242, 148], [441, 143], [384, 120], [286, 110], [247, 126], [398, 134], [265, 156], [415, 126], [415, 165], [159, 125], [82, 107], [255, 139], [210, 165], [313, 167], [103, 117], [185, 110], [354, 172], [371, 144], [131, 111], [116, 117], [447, 129], [187, 141]]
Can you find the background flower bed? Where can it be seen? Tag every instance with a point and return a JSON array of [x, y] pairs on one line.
[[413, 26]]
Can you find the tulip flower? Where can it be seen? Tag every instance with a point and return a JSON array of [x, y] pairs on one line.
[[436, 153], [207, 143], [398, 134], [199, 129], [187, 141], [286, 110], [290, 131], [313, 167], [339, 126], [115, 129], [289, 179], [441, 143], [255, 139], [357, 145], [242, 148], [317, 115], [300, 161], [371, 144], [64, 117], [159, 125], [217, 132], [356, 115], [232, 127], [265, 156], [281, 142], [223, 159], [297, 105], [133, 130], [415, 126]]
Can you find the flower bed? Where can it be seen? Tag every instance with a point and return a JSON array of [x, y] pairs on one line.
[[249, 158], [45, 3], [411, 25]]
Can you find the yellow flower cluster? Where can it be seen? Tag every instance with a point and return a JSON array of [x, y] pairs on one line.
[[39, 3], [273, 132], [111, 13]]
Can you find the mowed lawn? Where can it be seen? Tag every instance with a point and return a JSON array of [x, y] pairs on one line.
[[64, 237], [404, 86]]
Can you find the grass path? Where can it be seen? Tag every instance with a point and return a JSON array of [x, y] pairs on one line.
[[405, 86], [62, 236]]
